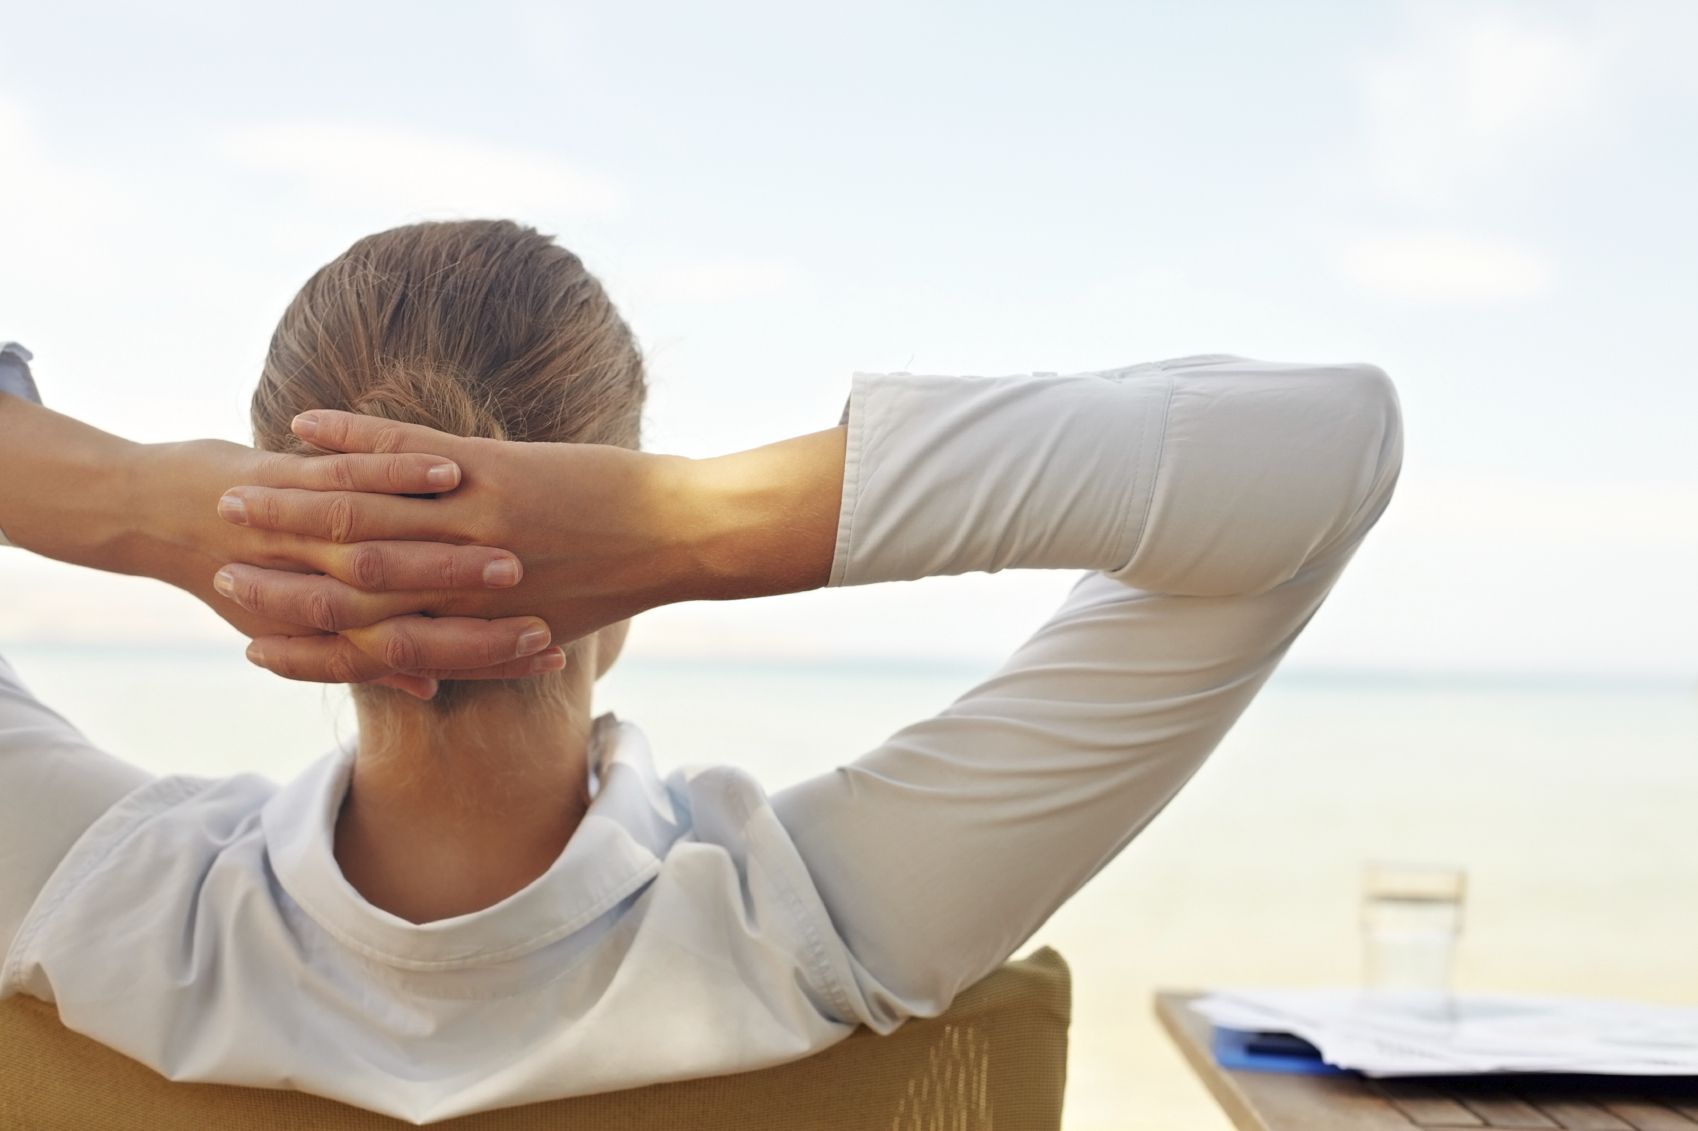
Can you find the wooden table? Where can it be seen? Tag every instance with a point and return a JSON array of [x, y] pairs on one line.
[[1271, 1101]]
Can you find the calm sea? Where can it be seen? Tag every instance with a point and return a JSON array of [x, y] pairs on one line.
[[1573, 806]]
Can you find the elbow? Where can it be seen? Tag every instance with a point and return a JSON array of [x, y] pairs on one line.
[[1266, 474], [1346, 476], [1369, 437], [1366, 459], [1378, 413]]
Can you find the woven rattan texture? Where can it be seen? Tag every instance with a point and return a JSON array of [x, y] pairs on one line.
[[996, 1061]]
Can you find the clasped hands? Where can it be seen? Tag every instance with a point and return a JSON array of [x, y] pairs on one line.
[[405, 555]]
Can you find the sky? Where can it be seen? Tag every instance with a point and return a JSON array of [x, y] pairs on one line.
[[1490, 200]]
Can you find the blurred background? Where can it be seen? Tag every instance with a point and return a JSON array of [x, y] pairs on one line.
[[1490, 200]]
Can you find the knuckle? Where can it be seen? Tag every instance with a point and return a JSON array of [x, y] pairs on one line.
[[401, 651], [396, 473], [488, 528], [271, 511], [368, 568], [339, 519], [388, 440], [281, 661], [341, 667], [250, 594], [275, 467], [321, 611], [342, 473], [448, 570]]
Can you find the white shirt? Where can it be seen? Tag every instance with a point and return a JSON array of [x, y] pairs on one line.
[[694, 925], [15, 379]]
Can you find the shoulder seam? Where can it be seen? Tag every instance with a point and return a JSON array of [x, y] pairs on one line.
[[94, 846]]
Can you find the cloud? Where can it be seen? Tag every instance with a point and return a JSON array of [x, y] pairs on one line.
[[399, 171], [1444, 267], [1473, 94]]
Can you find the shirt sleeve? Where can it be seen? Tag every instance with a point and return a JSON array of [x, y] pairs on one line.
[[54, 784], [1214, 502], [15, 379]]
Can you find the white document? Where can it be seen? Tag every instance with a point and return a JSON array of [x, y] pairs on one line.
[[1400, 1035]]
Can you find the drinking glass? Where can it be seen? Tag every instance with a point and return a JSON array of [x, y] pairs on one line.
[[1411, 917]]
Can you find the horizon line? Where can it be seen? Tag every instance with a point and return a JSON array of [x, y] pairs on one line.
[[1316, 671]]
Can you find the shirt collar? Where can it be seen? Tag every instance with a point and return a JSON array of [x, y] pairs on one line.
[[630, 823]]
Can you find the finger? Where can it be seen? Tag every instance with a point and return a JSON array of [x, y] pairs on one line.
[[419, 643], [338, 516], [338, 431], [378, 567], [547, 660], [334, 659], [419, 687], [316, 659], [411, 473], [313, 600]]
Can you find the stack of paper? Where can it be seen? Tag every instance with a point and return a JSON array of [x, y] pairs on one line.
[[1394, 1035]]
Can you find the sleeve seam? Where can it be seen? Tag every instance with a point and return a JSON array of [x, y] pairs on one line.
[[87, 854], [854, 412], [1136, 527], [818, 965]]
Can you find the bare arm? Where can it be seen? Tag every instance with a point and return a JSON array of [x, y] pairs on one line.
[[81, 495], [75, 493], [1213, 503], [604, 532]]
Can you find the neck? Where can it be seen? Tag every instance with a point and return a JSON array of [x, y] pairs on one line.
[[447, 814]]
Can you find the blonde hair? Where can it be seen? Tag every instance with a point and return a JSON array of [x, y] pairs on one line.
[[476, 327]]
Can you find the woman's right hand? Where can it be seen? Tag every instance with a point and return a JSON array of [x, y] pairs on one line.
[[603, 533]]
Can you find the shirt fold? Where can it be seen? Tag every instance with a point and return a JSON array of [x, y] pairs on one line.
[[695, 925]]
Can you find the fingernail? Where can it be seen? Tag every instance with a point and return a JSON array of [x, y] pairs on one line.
[[443, 475], [256, 654], [502, 573], [305, 426], [550, 661], [225, 583], [233, 508], [533, 640]]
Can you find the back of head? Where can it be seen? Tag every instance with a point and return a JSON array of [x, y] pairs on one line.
[[477, 327]]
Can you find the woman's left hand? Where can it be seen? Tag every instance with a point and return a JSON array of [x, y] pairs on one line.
[[179, 487]]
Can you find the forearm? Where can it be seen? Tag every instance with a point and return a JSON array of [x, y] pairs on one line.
[[763, 521], [69, 490], [1200, 478], [72, 492]]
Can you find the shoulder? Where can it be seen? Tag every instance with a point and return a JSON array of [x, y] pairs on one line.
[[147, 860], [737, 846]]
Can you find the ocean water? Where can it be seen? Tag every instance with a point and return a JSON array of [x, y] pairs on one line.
[[1572, 805]]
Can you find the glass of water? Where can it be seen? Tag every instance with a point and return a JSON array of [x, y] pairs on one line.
[[1411, 918]]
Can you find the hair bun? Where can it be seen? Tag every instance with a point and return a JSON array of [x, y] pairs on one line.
[[431, 395]]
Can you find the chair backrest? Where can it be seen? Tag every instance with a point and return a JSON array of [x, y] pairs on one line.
[[996, 1061]]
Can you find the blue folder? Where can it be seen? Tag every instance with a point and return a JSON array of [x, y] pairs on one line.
[[1269, 1052]]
